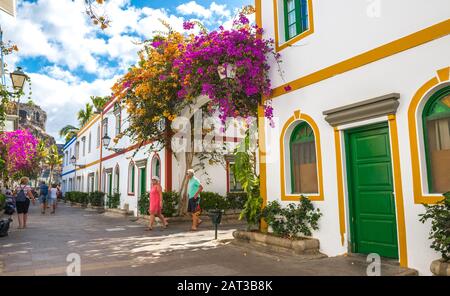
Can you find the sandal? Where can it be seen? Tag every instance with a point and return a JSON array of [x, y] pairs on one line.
[[149, 229], [192, 229]]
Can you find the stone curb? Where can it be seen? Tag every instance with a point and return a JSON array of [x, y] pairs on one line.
[[304, 246], [205, 218], [440, 268]]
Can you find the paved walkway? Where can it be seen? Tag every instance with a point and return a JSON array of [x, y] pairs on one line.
[[116, 246]]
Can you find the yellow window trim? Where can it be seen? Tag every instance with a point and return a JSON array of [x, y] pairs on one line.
[[297, 117], [415, 39], [290, 42], [419, 196]]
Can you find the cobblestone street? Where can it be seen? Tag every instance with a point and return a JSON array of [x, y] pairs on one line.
[[111, 245]]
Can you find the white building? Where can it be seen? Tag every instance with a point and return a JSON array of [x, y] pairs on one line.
[[363, 119], [121, 169]]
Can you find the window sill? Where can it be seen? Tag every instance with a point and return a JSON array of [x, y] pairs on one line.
[[290, 42]]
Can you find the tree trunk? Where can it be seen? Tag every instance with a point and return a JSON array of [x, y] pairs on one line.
[[182, 208]]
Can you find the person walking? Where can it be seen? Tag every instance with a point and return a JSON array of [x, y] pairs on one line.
[[194, 189], [53, 196], [156, 202], [43, 196], [23, 196]]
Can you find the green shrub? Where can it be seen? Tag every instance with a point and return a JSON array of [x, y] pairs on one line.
[[97, 198], [2, 201], [78, 197], [170, 203], [212, 200], [236, 200], [293, 220], [439, 214], [143, 204], [113, 201]]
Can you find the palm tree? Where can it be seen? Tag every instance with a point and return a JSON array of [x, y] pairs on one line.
[[99, 102], [84, 115], [53, 159], [69, 131]]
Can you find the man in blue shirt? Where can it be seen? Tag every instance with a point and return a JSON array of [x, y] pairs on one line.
[[193, 191], [43, 195]]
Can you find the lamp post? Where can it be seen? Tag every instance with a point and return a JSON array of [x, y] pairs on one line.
[[106, 140], [18, 78]]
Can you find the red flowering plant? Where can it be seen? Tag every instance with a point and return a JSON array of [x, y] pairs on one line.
[[17, 151], [231, 67]]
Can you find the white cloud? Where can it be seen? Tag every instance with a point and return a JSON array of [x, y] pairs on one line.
[[195, 9], [61, 36], [62, 97]]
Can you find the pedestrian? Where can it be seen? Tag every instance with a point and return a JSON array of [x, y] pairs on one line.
[[53, 196], [156, 203], [23, 196], [194, 188], [43, 196]]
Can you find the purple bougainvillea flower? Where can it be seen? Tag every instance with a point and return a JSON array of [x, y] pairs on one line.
[[156, 43], [288, 88], [188, 25]]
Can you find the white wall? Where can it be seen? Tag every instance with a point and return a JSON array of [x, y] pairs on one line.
[[344, 29], [403, 73]]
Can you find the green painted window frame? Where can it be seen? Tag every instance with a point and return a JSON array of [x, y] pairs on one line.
[[301, 17], [427, 114], [306, 139]]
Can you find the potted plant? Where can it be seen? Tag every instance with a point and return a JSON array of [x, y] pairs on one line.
[[439, 215]]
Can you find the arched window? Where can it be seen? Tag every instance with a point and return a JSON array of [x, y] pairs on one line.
[[436, 127], [131, 178], [116, 179], [156, 166], [303, 160]]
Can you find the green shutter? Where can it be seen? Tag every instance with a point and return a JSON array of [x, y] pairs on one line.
[[296, 20], [132, 179]]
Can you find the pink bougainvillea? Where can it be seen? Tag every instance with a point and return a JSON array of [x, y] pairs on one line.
[[18, 149], [238, 51]]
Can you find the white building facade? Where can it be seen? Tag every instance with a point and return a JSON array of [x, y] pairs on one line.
[[362, 120], [126, 168]]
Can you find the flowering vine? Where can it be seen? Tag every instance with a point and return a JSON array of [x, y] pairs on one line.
[[17, 150]]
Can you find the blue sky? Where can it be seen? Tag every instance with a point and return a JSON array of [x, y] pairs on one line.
[[69, 59]]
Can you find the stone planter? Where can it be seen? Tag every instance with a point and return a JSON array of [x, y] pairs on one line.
[[98, 209], [300, 246], [440, 268]]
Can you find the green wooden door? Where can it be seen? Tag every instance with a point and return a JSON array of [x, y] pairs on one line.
[[370, 187], [109, 184], [142, 180]]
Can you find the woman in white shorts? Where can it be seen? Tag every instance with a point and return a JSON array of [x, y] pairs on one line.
[[53, 197]]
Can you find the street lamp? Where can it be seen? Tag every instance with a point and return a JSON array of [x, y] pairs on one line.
[[106, 140], [73, 160], [18, 78]]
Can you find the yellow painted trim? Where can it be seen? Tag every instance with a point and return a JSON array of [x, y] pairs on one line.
[[88, 125], [444, 74], [401, 228], [340, 183], [419, 196], [278, 46], [261, 133], [298, 116], [426, 35], [88, 165]]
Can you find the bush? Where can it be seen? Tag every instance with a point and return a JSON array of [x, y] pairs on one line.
[[2, 201], [439, 214], [113, 201], [236, 200], [212, 200], [78, 197], [97, 199], [293, 220], [143, 204], [170, 203]]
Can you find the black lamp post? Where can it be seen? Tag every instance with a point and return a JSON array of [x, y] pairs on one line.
[[18, 78], [106, 140]]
